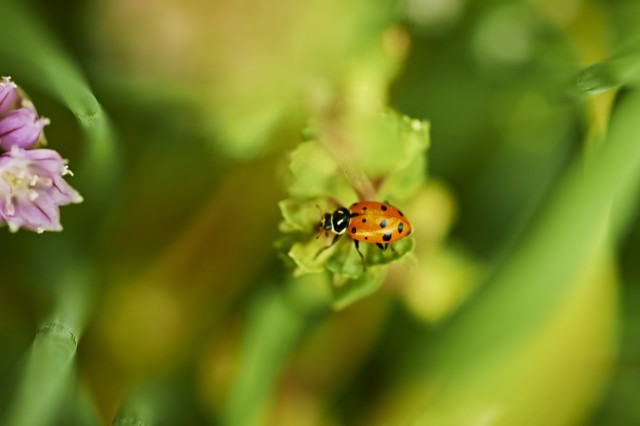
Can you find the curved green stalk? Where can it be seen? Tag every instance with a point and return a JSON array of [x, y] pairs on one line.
[[50, 363], [275, 321], [611, 73], [140, 409]]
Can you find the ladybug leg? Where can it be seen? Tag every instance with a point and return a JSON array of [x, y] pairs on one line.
[[335, 240], [382, 247], [357, 244]]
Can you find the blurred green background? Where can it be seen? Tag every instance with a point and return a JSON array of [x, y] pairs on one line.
[[164, 302]]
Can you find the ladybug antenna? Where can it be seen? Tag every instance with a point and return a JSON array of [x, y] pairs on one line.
[[319, 223]]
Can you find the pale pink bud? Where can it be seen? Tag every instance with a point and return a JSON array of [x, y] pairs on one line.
[[21, 127], [9, 96]]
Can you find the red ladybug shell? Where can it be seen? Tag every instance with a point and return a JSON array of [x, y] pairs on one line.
[[374, 222]]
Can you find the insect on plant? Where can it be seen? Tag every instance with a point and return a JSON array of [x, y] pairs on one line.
[[367, 221]]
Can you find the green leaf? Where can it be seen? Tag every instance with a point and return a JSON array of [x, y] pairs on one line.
[[282, 246], [302, 214], [389, 147], [305, 255], [351, 282], [305, 241], [348, 291], [410, 172], [389, 143], [346, 263], [394, 253], [314, 173]]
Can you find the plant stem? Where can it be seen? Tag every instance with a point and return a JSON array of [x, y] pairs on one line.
[[49, 366], [620, 69], [332, 136], [275, 321]]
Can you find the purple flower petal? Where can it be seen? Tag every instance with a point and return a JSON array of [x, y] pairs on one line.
[[8, 95], [21, 127], [63, 194], [32, 189], [34, 217]]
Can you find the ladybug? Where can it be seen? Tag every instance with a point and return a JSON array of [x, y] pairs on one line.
[[366, 221]]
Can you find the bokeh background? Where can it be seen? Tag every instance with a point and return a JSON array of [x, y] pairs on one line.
[[164, 301]]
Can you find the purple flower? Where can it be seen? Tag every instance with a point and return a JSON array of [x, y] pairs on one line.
[[8, 95], [21, 127], [32, 188]]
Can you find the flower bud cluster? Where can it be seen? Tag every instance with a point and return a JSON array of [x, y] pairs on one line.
[[31, 179]]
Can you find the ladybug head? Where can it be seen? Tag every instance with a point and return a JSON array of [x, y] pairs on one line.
[[340, 220], [325, 222], [336, 222]]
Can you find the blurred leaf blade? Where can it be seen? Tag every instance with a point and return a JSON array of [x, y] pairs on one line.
[[535, 280], [49, 370], [618, 70], [35, 55], [575, 220], [512, 386], [273, 325]]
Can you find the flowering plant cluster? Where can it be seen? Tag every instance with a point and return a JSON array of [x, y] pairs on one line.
[[381, 155], [31, 179]]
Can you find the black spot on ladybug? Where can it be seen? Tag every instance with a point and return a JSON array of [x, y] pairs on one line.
[[364, 220], [353, 230], [400, 228], [364, 208], [366, 238], [384, 208], [400, 213], [383, 223], [354, 204], [386, 236]]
